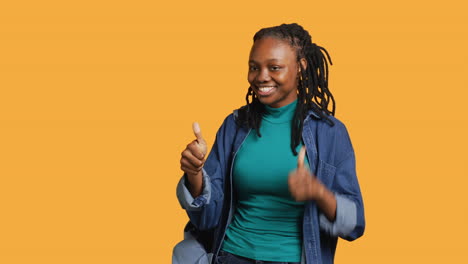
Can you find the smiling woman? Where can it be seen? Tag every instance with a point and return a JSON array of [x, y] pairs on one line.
[[280, 184], [273, 72]]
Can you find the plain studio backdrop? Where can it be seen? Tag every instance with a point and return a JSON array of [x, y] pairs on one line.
[[97, 99]]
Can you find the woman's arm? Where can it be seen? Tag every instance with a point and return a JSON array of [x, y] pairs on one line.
[[349, 222], [326, 201], [203, 195], [340, 202]]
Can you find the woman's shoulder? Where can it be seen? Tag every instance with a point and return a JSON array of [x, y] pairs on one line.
[[331, 128], [230, 121], [325, 121], [329, 137], [238, 111]]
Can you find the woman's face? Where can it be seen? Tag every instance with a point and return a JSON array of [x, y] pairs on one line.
[[273, 71]]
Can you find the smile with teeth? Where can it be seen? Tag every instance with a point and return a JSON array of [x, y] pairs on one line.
[[265, 90]]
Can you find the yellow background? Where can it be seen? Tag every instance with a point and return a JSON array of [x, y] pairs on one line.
[[97, 100]]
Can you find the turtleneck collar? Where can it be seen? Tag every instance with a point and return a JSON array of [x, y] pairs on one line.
[[280, 115]]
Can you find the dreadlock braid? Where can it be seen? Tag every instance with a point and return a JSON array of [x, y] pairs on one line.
[[312, 90]]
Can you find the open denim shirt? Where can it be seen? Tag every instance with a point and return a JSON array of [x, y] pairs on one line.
[[332, 160]]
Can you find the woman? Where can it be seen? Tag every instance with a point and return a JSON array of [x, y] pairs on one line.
[[257, 196]]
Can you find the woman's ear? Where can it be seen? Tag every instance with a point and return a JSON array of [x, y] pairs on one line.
[[303, 63]]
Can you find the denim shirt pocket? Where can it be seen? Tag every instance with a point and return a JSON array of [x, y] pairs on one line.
[[326, 173]]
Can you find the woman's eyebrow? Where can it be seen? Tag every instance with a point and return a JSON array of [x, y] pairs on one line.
[[269, 60]]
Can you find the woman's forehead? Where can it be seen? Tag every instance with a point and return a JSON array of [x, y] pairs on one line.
[[270, 48]]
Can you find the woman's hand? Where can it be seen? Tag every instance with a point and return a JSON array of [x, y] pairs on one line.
[[304, 187], [302, 184], [192, 161]]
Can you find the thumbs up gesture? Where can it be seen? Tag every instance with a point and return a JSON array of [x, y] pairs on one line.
[[201, 143], [193, 156], [193, 159], [303, 185]]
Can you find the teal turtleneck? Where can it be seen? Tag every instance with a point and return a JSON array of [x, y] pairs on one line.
[[267, 224]]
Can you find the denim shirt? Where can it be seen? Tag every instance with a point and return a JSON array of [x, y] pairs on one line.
[[332, 160]]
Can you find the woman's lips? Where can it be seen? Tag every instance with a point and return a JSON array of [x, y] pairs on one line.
[[265, 90]]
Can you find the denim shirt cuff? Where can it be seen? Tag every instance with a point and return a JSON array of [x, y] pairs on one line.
[[186, 200], [345, 220]]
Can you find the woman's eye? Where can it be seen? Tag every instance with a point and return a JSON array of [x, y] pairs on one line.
[[252, 68], [274, 68]]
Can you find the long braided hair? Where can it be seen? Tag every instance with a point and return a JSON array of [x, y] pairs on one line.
[[312, 90]]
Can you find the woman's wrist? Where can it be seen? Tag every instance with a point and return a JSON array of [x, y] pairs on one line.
[[195, 184], [326, 201], [316, 191]]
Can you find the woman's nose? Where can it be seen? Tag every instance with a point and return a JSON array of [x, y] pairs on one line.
[[263, 76]]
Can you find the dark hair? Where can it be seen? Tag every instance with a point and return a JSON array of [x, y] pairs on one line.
[[313, 93]]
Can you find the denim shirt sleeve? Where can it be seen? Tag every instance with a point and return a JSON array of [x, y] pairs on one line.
[[186, 200], [349, 221], [345, 220]]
